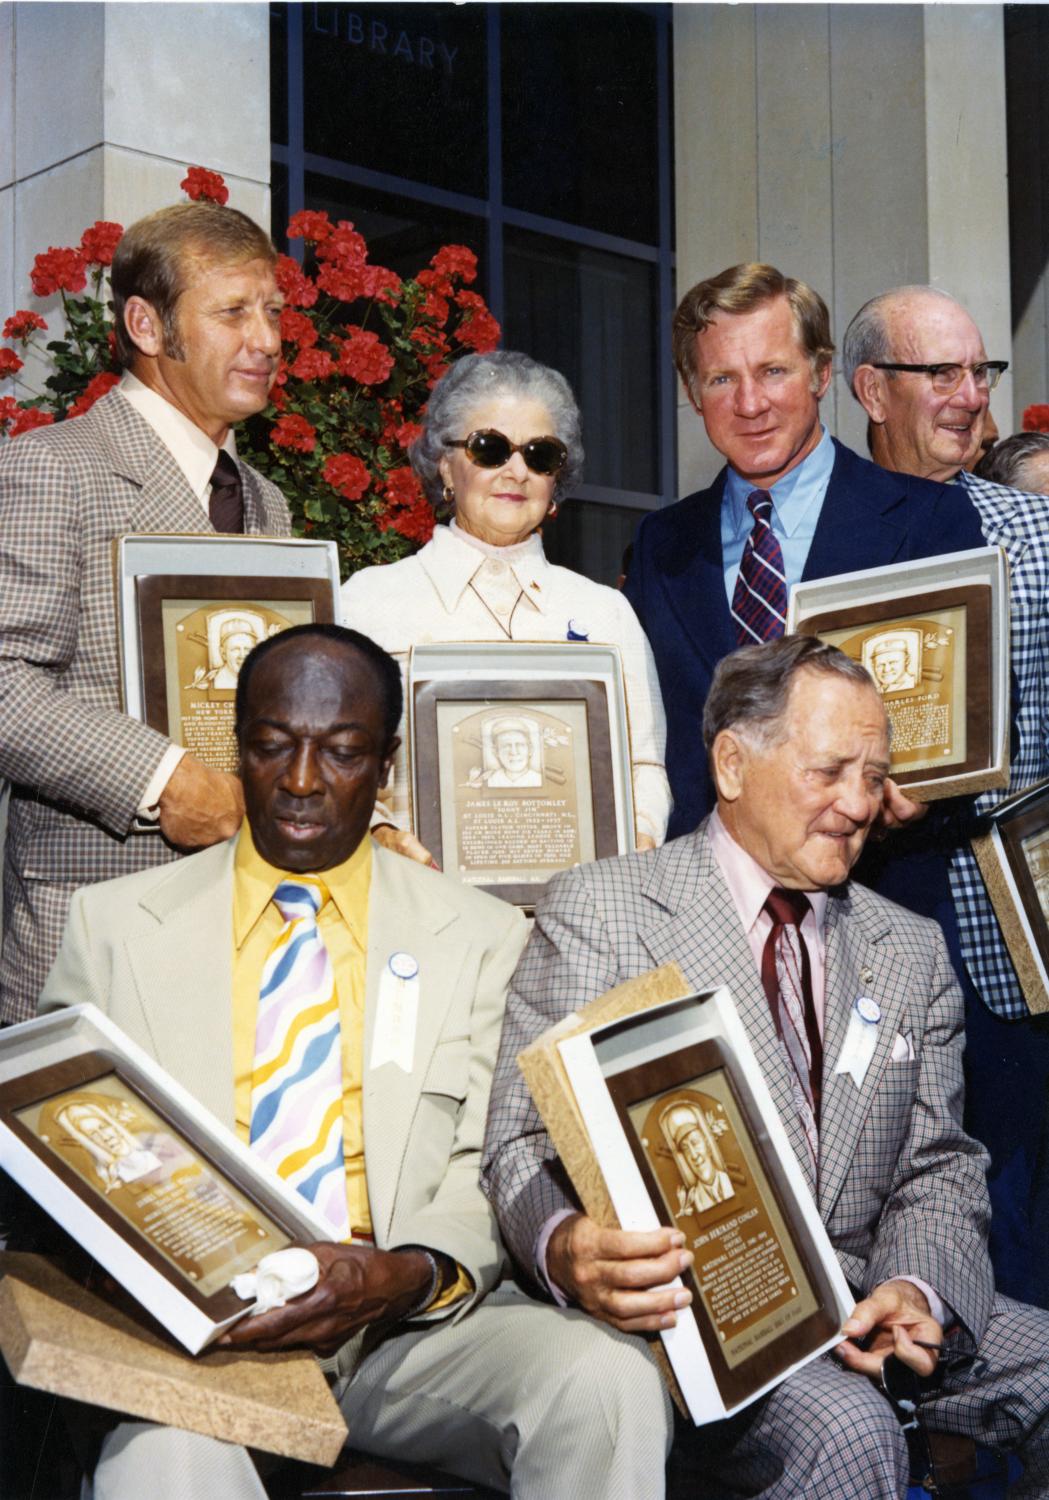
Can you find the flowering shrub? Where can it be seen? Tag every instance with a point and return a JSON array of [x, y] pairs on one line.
[[362, 349], [1036, 419]]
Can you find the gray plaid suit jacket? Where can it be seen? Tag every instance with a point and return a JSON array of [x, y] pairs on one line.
[[77, 765], [901, 1187], [1020, 524]]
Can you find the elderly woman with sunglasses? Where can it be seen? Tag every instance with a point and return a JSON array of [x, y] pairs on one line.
[[501, 444]]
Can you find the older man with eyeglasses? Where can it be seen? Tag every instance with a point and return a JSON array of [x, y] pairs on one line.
[[916, 362]]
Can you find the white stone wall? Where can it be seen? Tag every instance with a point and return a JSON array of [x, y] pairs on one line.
[[102, 108]]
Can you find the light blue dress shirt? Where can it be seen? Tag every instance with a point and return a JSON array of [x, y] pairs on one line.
[[797, 500]]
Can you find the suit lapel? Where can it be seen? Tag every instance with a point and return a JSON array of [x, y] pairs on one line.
[[692, 570], [398, 922], [702, 932], [164, 501], [191, 949], [859, 961], [856, 528]]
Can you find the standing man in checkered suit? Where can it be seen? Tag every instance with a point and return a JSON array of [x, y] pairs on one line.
[[94, 794], [798, 744], [916, 362]]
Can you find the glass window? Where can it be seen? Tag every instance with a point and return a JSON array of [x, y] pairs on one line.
[[593, 316], [279, 74], [580, 115], [402, 233], [591, 538], [400, 89]]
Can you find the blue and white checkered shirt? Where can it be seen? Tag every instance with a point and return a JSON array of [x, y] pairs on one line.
[[1019, 523]]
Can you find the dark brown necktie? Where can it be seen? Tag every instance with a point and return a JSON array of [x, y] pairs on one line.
[[226, 506], [786, 977]]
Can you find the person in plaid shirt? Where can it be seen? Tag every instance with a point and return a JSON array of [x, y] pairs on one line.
[[916, 362]]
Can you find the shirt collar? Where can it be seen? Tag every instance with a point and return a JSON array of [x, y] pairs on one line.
[[255, 880], [453, 558], [189, 446], [748, 882], [792, 496]]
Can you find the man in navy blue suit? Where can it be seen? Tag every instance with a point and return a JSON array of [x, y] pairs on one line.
[[754, 350]]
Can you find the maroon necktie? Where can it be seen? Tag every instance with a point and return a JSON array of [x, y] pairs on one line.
[[759, 600], [226, 506], [786, 977]]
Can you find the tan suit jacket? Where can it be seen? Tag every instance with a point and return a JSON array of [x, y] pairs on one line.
[[77, 764], [154, 951]]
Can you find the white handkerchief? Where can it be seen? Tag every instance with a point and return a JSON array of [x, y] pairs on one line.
[[397, 1015], [277, 1278], [903, 1047], [861, 1038]]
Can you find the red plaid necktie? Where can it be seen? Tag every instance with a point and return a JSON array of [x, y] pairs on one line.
[[786, 978], [759, 601]]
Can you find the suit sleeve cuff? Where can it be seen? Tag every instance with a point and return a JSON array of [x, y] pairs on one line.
[[937, 1309], [541, 1245], [148, 810]]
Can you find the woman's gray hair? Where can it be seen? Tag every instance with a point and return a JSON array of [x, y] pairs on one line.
[[479, 378], [1006, 462], [751, 686]]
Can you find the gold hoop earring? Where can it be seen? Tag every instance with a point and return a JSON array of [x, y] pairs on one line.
[[448, 495]]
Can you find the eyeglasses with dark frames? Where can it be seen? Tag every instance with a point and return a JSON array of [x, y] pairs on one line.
[[947, 378], [490, 449]]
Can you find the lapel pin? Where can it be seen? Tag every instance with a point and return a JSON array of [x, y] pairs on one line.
[[536, 587], [866, 976]]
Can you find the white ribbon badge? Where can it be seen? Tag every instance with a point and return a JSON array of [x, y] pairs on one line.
[[861, 1038], [398, 1013]]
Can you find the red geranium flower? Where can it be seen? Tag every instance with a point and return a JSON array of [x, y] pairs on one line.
[[407, 433], [310, 225], [365, 357], [434, 306], [95, 389], [381, 284], [345, 245], [297, 328], [28, 418], [347, 474], [98, 243], [455, 260], [480, 331], [9, 409], [343, 281], [199, 183], [10, 364], [293, 431], [1036, 419], [293, 282], [21, 325], [432, 282], [58, 270], [313, 364]]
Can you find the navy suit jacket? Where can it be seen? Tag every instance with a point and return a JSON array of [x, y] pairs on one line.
[[870, 517]]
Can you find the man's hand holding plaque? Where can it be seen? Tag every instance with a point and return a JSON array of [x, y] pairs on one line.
[[618, 1276]]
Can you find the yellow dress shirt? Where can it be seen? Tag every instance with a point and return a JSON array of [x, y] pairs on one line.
[[343, 924]]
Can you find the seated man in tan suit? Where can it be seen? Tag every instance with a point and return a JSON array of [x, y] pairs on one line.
[[301, 923]]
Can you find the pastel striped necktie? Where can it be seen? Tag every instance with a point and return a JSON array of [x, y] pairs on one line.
[[786, 977], [759, 600], [296, 1084]]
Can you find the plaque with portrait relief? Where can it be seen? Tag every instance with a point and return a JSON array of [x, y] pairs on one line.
[[934, 636], [165, 1198], [1013, 855], [656, 1105], [192, 608], [519, 758]]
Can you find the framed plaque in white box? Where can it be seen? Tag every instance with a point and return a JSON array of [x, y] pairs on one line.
[[157, 1190], [934, 635], [519, 760], [190, 608]]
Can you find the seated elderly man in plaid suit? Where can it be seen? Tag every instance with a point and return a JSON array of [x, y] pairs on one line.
[[759, 898]]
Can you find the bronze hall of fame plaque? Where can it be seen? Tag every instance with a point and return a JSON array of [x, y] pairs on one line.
[[196, 632], [759, 1294], [929, 657], [141, 1174]]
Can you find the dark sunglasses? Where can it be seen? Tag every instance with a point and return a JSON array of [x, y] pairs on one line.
[[489, 449]]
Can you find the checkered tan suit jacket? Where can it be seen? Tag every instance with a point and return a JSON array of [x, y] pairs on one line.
[[901, 1188], [1020, 524], [77, 765]]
